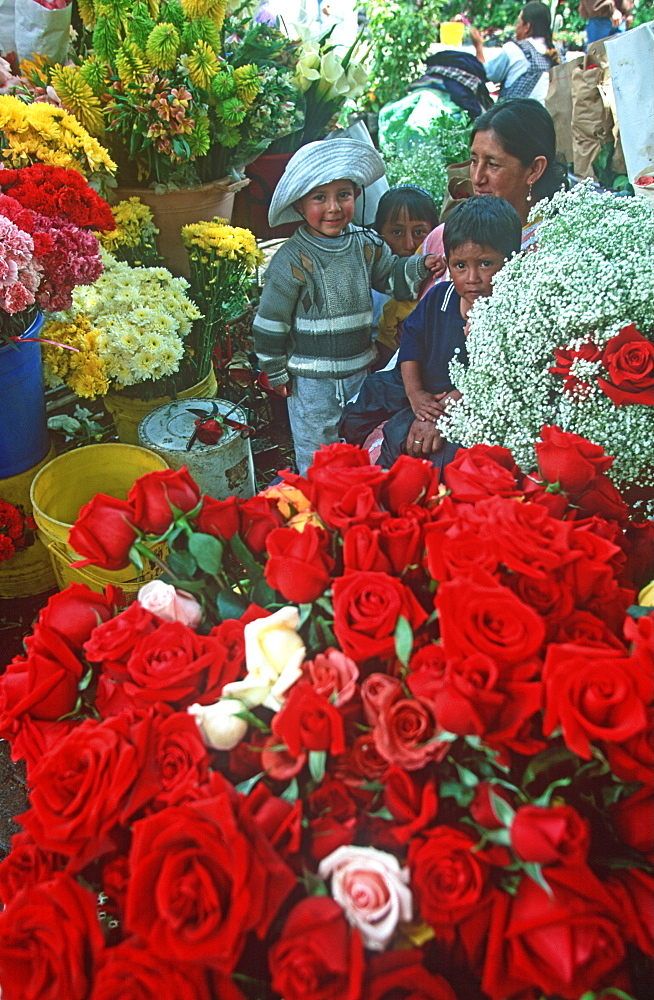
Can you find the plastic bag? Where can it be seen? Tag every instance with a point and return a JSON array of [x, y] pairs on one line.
[[41, 30], [411, 119]]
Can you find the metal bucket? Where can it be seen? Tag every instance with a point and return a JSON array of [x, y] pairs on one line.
[[221, 470]]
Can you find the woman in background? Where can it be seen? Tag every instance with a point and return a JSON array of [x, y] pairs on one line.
[[523, 65]]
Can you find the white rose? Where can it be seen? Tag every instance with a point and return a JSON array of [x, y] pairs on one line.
[[373, 890], [172, 605], [274, 654], [219, 724]]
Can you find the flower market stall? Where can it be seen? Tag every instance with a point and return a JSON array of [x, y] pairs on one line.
[[367, 737]]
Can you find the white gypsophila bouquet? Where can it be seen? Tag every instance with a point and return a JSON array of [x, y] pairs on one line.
[[567, 338], [127, 328]]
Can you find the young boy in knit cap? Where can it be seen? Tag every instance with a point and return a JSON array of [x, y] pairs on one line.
[[313, 332]]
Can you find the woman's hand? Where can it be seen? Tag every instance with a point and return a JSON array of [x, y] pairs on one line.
[[435, 264], [426, 405], [423, 439]]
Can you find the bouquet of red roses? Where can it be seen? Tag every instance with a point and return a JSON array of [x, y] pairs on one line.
[[47, 243], [370, 737]]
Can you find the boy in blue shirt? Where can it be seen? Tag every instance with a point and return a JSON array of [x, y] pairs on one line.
[[479, 235]]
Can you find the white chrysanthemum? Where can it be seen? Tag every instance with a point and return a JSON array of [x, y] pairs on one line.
[[592, 275]]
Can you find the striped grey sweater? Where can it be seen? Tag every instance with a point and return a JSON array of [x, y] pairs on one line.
[[315, 314]]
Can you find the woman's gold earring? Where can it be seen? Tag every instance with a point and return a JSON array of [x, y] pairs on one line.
[[529, 193]]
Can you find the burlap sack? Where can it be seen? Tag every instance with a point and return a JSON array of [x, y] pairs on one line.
[[459, 186]]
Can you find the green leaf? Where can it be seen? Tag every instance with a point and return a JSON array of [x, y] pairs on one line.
[[245, 787], [453, 789], [544, 799], [86, 680], [263, 594], [502, 809], [135, 557], [534, 872], [182, 564], [403, 640], [317, 762], [467, 778], [231, 605], [292, 792], [207, 552], [305, 614], [252, 720], [637, 611], [245, 557], [382, 813]]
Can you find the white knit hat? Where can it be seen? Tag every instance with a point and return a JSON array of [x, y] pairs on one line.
[[320, 163]]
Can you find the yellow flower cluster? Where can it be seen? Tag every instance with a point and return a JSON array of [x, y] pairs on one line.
[[41, 133], [213, 9], [139, 316], [134, 225], [216, 240], [82, 369]]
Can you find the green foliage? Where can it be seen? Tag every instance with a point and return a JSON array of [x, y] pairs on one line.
[[644, 11], [401, 35], [424, 163]]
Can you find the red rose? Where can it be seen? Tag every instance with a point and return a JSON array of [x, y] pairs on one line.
[[299, 564], [585, 629], [281, 821], [633, 759], [178, 758], [448, 876], [570, 460], [366, 610], [112, 642], [361, 550], [633, 891], [26, 864], [44, 684], [73, 613], [633, 820], [258, 518], [563, 946], [401, 975], [594, 695], [405, 730], [202, 877], [401, 540], [103, 533], [557, 835], [479, 615], [50, 941], [411, 801], [81, 789], [333, 818], [453, 550], [409, 480], [482, 808], [154, 495], [131, 970], [31, 738], [317, 954], [629, 362], [339, 470], [427, 669], [358, 505], [482, 471], [309, 722], [376, 690], [475, 699], [603, 499], [218, 517], [171, 664], [333, 674]]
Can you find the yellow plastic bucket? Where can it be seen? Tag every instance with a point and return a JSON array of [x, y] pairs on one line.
[[71, 480], [452, 33], [29, 571], [127, 412]]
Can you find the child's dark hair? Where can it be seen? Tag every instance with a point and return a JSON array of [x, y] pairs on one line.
[[419, 204], [485, 220], [524, 129]]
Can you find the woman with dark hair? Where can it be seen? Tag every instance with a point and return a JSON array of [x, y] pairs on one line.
[[523, 65], [512, 156]]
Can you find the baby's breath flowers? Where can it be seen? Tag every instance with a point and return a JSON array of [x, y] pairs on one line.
[[221, 257], [128, 329], [591, 277]]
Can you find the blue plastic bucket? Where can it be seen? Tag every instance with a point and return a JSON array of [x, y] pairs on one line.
[[23, 426]]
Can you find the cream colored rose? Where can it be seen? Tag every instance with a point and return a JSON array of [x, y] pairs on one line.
[[172, 605], [219, 724], [646, 596], [274, 654], [373, 890]]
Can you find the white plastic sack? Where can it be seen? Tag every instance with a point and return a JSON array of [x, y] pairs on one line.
[[7, 27], [631, 59], [41, 30]]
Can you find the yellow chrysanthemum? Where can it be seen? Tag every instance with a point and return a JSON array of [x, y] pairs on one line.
[[131, 65], [163, 46], [202, 65], [78, 98], [247, 82], [213, 9], [219, 240], [36, 70]]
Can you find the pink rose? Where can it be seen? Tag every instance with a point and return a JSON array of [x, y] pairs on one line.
[[163, 600]]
